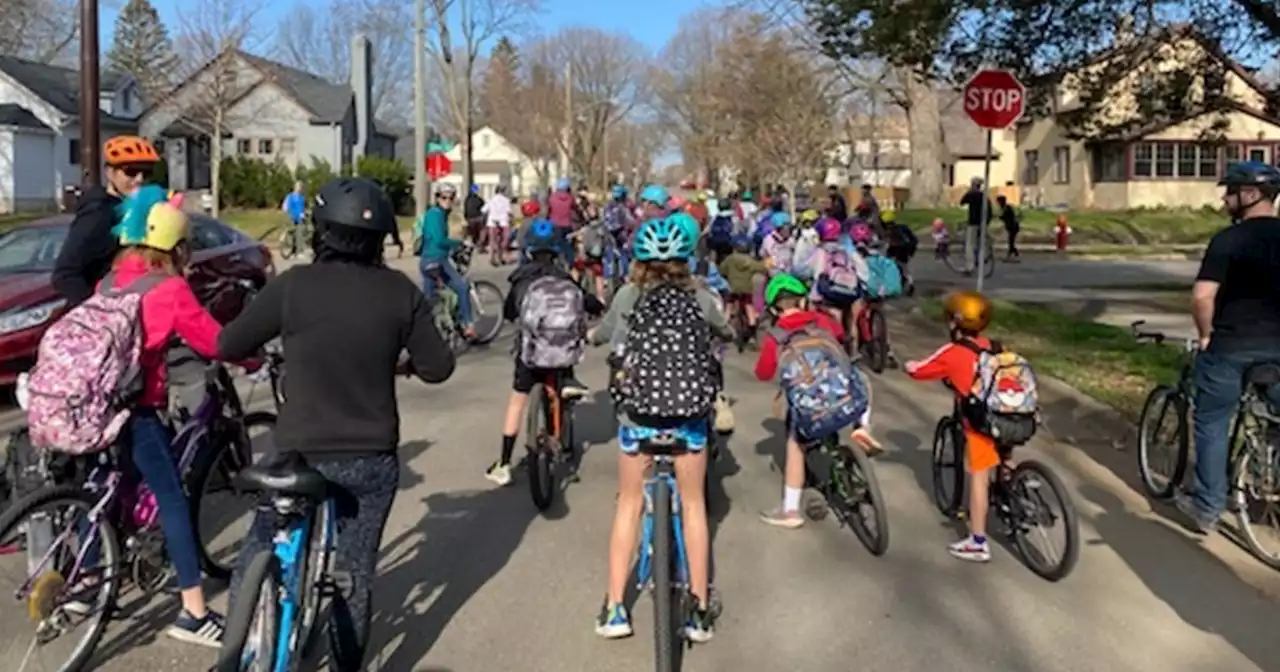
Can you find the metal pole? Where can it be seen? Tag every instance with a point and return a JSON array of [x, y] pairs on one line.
[[568, 119], [986, 212], [420, 192], [604, 161], [90, 140]]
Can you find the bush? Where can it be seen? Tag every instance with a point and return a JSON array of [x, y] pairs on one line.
[[253, 183], [394, 178]]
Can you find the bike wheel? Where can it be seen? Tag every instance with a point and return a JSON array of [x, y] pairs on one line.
[[220, 514], [541, 460], [1031, 510], [853, 486], [1257, 492], [48, 597], [948, 466], [663, 591], [287, 248], [878, 346], [486, 307], [253, 626], [1162, 459]]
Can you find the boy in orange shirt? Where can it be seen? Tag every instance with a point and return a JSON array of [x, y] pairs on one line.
[[968, 314]]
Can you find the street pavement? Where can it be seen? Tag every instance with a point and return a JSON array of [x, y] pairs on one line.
[[473, 579]]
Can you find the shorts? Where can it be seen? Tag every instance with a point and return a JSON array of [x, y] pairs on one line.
[[694, 433], [525, 378], [596, 266], [979, 450]]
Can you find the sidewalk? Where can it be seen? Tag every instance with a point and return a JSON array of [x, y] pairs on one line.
[[1116, 307]]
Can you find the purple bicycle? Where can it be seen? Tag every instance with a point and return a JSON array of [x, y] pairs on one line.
[[95, 527]]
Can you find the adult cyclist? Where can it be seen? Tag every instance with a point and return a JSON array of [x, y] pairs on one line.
[[437, 247]]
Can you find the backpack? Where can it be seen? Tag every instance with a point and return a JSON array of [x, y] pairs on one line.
[[720, 233], [1004, 402], [825, 392], [593, 241], [87, 371], [783, 255], [666, 358], [838, 283], [884, 278], [615, 217], [553, 324]]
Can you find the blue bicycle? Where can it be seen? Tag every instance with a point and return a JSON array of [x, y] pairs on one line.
[[660, 567], [270, 627]]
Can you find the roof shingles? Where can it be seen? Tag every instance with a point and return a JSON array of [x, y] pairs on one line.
[[58, 86]]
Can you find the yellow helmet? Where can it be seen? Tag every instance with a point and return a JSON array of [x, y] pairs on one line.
[[888, 216], [809, 216], [150, 220], [968, 310]]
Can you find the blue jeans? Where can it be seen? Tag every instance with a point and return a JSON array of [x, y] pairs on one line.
[[455, 281], [1219, 381]]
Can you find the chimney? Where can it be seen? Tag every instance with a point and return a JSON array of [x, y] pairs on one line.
[[362, 89]]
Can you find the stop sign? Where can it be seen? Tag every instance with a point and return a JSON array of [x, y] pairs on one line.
[[438, 165], [994, 99]]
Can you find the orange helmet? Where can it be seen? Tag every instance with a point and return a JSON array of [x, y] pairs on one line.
[[968, 310], [129, 149]]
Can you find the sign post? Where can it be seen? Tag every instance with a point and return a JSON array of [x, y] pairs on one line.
[[994, 100]]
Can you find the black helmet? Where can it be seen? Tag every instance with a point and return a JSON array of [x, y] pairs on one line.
[[356, 203], [1252, 174]]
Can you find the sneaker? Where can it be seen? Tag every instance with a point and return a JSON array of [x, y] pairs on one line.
[[969, 549], [499, 473], [863, 439], [1195, 521], [723, 415], [205, 631], [614, 622], [572, 388], [700, 627], [785, 519]]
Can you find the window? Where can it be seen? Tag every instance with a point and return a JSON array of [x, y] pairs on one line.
[[1062, 165], [484, 140], [73, 152], [1258, 154], [266, 146], [1187, 160], [207, 233], [244, 146], [1031, 167], [1164, 160], [1109, 162], [1215, 83], [1233, 153], [288, 146], [1209, 155], [1143, 159], [126, 99]]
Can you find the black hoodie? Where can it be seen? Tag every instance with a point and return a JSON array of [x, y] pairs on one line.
[[90, 247]]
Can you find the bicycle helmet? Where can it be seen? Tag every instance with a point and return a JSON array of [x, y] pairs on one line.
[[655, 194], [619, 192], [1252, 174], [541, 237], [563, 184], [663, 240], [148, 219], [828, 229], [128, 150], [780, 220], [687, 224], [445, 189], [677, 202], [530, 208], [356, 203], [747, 195], [784, 285], [888, 216], [861, 233], [808, 216], [968, 310]]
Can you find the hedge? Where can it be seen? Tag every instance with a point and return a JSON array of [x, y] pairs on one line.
[[254, 183]]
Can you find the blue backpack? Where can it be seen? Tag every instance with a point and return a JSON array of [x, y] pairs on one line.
[[720, 233], [884, 279], [825, 391]]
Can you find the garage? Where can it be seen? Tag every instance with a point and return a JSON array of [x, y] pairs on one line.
[[28, 179]]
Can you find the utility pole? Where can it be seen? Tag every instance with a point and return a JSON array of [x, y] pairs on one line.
[[568, 118], [420, 187], [90, 142]]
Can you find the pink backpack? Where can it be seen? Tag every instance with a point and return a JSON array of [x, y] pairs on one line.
[[87, 371]]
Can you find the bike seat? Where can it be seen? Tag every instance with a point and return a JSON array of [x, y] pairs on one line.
[[664, 444], [1264, 374], [286, 474]]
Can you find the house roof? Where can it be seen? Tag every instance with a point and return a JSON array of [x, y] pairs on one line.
[[1230, 106], [326, 102], [15, 115], [60, 87]]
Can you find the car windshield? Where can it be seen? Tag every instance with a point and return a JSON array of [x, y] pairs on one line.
[[32, 249]]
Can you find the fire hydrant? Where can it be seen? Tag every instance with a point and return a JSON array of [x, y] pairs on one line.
[[1062, 233]]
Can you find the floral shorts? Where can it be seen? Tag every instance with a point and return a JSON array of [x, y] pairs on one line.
[[694, 433]]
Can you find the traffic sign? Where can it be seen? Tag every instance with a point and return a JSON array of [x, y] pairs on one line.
[[994, 99], [438, 165]]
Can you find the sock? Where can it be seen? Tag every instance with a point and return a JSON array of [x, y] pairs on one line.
[[508, 447], [791, 499], [979, 539]]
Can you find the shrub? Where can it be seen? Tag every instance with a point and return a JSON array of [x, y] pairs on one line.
[[394, 178], [252, 183]]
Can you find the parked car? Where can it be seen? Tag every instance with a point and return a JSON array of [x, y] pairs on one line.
[[223, 261]]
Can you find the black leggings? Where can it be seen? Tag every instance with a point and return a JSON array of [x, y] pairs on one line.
[[370, 487], [1013, 242]]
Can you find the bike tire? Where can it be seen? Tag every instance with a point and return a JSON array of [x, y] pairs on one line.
[[1162, 399], [663, 591], [878, 345], [209, 458], [1241, 487], [1069, 521], [542, 475], [948, 452], [318, 565], [862, 481], [491, 330], [54, 497], [262, 580]]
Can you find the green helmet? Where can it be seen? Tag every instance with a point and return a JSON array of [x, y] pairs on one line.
[[784, 283]]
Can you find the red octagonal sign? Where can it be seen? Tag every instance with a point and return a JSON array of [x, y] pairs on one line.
[[994, 99]]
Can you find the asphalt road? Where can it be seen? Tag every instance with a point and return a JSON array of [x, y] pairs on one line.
[[1044, 271], [473, 579]]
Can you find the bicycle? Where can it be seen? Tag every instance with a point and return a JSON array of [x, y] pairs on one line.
[[1253, 463], [659, 567], [850, 483], [271, 626], [953, 255], [1160, 401], [873, 333], [293, 238], [549, 438], [743, 330], [1017, 497], [487, 315]]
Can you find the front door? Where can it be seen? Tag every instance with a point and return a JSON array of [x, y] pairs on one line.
[[1260, 153]]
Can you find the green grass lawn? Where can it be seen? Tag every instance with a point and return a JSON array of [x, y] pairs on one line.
[[261, 223], [1142, 227]]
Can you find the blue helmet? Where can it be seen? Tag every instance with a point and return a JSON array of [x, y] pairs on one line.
[[687, 223], [663, 240], [781, 219], [541, 237], [562, 184], [655, 194], [742, 243], [619, 192]]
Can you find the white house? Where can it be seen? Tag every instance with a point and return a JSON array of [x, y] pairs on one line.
[[497, 161], [40, 132]]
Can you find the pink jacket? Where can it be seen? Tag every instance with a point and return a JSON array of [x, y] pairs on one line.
[[560, 207], [169, 308]]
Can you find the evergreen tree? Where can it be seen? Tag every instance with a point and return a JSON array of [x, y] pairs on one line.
[[143, 49], [500, 87]]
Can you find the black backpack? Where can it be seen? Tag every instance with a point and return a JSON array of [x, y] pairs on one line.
[[667, 360]]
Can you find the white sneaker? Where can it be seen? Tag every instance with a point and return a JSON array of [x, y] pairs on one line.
[[500, 474], [724, 415], [969, 549]]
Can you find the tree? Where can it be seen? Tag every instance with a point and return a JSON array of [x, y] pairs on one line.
[[141, 47], [500, 88], [40, 30]]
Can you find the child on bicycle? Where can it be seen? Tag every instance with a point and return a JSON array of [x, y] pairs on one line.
[[778, 248], [663, 383], [550, 288], [787, 297], [967, 314], [746, 277], [838, 276], [345, 321]]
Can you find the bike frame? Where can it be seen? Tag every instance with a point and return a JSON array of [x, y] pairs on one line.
[[294, 535], [664, 470]]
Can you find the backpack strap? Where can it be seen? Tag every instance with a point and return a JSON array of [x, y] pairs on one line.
[[141, 285]]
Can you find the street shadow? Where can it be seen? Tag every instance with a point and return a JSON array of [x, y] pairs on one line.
[[138, 621]]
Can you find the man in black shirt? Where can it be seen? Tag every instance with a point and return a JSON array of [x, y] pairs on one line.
[[974, 200], [836, 205], [473, 212], [1236, 306]]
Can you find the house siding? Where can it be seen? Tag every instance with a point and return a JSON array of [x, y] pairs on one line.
[[34, 152], [520, 175]]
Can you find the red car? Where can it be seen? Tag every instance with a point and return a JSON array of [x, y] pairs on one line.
[[223, 262]]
